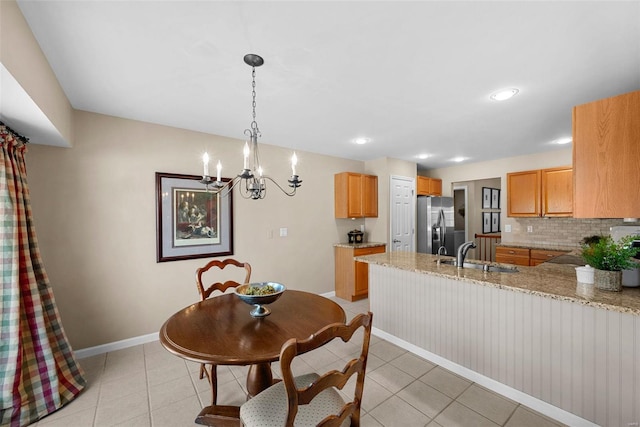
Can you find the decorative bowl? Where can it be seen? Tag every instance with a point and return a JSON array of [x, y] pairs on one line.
[[259, 301]]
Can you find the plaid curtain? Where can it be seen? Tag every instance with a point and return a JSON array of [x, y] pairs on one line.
[[38, 371]]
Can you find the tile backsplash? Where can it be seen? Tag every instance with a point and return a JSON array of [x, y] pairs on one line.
[[557, 232]]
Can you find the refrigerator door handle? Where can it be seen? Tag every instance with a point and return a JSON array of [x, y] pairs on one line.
[[443, 230]]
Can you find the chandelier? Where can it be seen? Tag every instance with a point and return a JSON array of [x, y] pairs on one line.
[[252, 181]]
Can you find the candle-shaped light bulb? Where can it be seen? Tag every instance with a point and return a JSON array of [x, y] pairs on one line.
[[219, 168], [246, 154], [205, 161], [294, 162], [260, 171]]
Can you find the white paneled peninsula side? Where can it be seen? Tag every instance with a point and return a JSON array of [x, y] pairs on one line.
[[535, 336]]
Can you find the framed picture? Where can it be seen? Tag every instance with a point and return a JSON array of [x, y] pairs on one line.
[[190, 221], [495, 198], [486, 198], [486, 222], [495, 222]]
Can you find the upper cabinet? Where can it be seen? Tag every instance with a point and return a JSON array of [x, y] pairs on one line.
[[523, 193], [557, 192], [543, 192], [356, 195], [429, 186], [606, 149]]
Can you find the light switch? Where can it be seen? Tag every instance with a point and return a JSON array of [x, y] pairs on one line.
[[529, 228], [283, 232]]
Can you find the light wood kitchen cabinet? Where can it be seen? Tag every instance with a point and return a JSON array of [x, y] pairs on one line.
[[508, 255], [429, 186], [523, 193], [606, 149], [356, 195], [525, 256], [538, 256], [557, 192], [352, 277], [543, 192]]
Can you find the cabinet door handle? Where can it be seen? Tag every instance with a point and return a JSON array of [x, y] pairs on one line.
[[396, 241]]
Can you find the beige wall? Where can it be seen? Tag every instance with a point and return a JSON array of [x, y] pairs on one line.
[[21, 56], [474, 207], [94, 207]]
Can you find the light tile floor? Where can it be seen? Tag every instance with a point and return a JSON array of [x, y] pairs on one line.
[[147, 386]]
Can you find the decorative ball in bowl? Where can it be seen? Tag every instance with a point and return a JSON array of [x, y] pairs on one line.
[[260, 294]]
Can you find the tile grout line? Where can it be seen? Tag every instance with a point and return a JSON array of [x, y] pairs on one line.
[[146, 380], [103, 370]]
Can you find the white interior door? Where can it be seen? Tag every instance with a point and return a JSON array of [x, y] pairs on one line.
[[403, 213]]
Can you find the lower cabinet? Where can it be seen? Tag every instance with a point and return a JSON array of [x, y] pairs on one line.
[[538, 256], [352, 277], [525, 256], [517, 256]]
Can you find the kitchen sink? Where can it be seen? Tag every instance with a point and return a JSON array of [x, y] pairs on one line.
[[484, 267]]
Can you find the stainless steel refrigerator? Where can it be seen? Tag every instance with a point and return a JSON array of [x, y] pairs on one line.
[[435, 222]]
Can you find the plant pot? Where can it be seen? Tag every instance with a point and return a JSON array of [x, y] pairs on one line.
[[608, 280]]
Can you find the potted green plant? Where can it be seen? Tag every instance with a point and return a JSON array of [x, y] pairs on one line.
[[609, 258]]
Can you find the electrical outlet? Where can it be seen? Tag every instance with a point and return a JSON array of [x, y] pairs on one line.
[[529, 228], [283, 232], [632, 424], [507, 228], [270, 234]]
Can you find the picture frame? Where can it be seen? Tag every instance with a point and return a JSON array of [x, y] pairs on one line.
[[191, 222], [486, 198], [495, 222], [486, 222], [495, 198]]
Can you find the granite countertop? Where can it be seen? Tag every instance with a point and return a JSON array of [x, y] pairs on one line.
[[548, 280], [359, 245]]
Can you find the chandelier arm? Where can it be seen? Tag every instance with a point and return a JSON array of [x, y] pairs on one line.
[[288, 193]]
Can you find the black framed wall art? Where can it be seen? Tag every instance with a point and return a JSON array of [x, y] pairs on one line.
[[191, 222]]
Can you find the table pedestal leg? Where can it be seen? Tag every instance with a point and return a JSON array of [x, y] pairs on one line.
[[259, 378]]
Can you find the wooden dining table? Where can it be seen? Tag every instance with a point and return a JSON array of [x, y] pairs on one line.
[[221, 331]]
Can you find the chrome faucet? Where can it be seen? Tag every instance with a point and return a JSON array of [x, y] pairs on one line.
[[440, 249], [462, 252]]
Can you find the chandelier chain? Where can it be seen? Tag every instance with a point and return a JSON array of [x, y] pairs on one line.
[[254, 124]]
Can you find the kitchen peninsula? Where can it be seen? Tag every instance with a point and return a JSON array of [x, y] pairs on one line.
[[535, 336]]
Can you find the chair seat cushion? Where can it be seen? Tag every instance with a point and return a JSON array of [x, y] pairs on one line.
[[269, 408]]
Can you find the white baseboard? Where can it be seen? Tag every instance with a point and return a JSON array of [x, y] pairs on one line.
[[117, 345], [493, 385], [329, 294]]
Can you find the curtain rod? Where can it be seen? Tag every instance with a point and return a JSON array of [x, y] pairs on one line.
[[14, 133]]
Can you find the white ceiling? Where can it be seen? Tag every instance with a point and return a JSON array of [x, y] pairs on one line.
[[414, 77]]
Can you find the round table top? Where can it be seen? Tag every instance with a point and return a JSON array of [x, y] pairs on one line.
[[220, 330]]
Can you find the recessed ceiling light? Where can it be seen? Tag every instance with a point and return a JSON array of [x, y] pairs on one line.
[[504, 94], [422, 156], [361, 141], [458, 159], [565, 140]]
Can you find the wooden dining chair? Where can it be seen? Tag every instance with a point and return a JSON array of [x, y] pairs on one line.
[[313, 399], [206, 290]]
